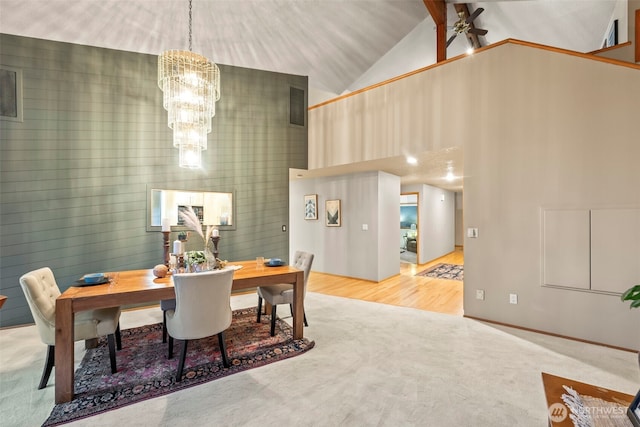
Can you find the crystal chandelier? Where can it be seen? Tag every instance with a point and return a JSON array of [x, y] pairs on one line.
[[191, 86]]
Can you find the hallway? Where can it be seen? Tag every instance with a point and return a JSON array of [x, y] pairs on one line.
[[404, 290]]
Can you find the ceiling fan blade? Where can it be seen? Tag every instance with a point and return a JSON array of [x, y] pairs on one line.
[[474, 15], [477, 31], [451, 39]]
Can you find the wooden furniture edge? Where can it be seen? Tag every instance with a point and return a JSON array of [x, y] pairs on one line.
[[553, 391]]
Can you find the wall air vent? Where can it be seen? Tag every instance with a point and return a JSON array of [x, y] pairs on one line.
[[296, 106]]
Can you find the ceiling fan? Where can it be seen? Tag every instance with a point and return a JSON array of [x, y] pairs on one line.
[[465, 25]]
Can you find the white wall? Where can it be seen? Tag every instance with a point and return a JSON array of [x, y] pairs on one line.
[[371, 198]]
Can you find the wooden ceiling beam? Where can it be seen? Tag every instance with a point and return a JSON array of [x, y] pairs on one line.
[[438, 11]]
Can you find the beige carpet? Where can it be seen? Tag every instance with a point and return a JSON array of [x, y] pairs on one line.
[[373, 365]]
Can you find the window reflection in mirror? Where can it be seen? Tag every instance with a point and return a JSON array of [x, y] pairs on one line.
[[213, 208]]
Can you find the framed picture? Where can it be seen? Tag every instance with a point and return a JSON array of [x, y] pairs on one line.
[[198, 210], [612, 37], [10, 94], [634, 411], [333, 214], [311, 206]]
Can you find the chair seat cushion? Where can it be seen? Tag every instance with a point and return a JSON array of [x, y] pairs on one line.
[[277, 294], [96, 323], [168, 304]]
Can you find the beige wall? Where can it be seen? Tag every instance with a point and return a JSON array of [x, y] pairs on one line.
[[549, 129]]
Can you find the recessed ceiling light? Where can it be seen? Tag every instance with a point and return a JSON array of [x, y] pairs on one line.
[[450, 176], [469, 51], [412, 160]]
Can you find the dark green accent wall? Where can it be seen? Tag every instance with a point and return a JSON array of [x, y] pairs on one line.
[[74, 173]]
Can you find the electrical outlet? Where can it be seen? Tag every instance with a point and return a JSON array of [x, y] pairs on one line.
[[480, 294], [513, 298]]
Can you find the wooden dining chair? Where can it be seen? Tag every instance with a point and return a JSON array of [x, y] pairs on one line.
[[203, 309], [41, 290], [283, 293]]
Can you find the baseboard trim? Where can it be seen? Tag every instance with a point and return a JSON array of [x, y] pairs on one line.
[[550, 334]]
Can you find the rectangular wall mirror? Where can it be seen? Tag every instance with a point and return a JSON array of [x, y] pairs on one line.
[[213, 208]]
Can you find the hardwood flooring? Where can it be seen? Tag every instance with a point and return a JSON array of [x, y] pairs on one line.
[[405, 289]]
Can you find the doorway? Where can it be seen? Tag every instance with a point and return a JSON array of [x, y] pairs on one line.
[[409, 227]]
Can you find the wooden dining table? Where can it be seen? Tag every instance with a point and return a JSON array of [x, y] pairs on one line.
[[141, 286]]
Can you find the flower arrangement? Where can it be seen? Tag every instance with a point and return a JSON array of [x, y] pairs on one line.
[[197, 258]]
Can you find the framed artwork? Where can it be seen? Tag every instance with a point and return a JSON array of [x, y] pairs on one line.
[[311, 206], [333, 214], [10, 94], [612, 37]]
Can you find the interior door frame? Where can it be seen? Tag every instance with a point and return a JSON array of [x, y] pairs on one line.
[[417, 194]]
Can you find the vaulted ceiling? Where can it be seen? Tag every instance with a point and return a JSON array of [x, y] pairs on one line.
[[337, 43]]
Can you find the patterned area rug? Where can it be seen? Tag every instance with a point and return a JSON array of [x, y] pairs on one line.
[[444, 271], [144, 372]]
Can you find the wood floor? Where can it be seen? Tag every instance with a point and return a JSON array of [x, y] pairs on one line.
[[405, 289]]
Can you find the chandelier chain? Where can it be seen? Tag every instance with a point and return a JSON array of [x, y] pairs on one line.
[[190, 17]]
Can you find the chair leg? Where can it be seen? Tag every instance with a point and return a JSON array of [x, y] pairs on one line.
[[118, 337], [273, 320], [48, 365], [170, 355], [183, 356], [164, 326], [304, 314], [223, 350], [259, 309], [112, 352]]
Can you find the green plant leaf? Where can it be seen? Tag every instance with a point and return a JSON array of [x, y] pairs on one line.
[[631, 294]]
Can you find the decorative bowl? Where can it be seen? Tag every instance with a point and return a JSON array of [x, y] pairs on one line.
[[93, 278]]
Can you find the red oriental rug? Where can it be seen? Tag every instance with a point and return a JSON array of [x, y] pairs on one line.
[[144, 372]]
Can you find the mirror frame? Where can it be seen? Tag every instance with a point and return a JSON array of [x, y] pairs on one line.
[[178, 228]]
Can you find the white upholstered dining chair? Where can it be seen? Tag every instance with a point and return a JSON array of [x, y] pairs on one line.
[[203, 309], [41, 290], [283, 293]]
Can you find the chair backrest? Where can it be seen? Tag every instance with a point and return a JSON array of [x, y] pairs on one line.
[[302, 260], [203, 304], [41, 290]]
